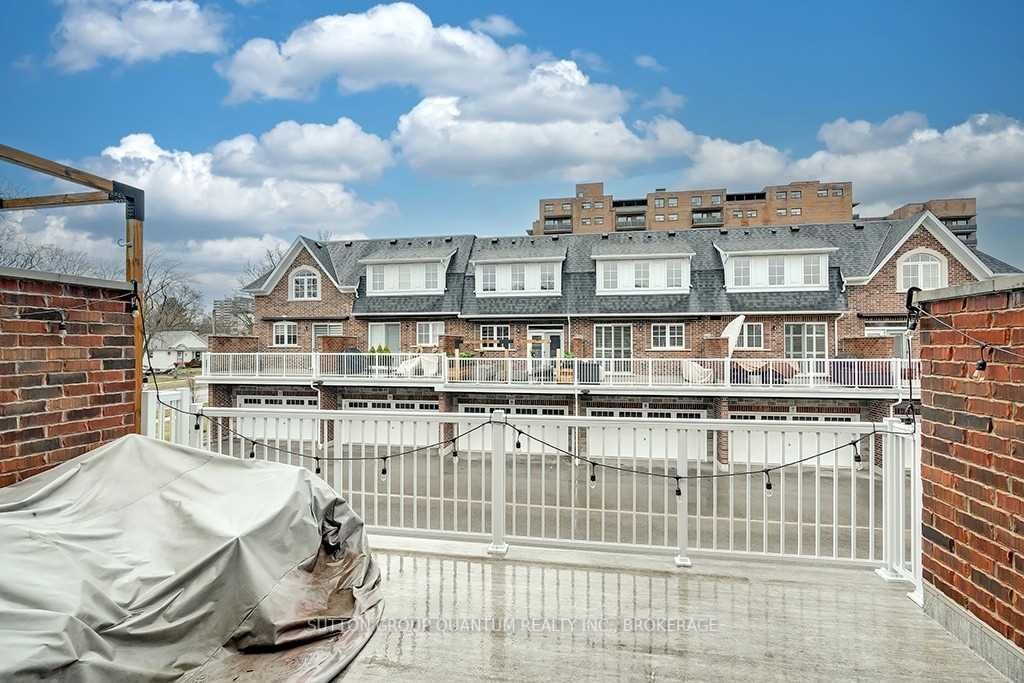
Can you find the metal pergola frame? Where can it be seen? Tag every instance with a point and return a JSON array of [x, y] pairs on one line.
[[101, 191]]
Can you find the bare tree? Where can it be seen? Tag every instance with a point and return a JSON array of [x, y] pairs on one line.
[[255, 269], [170, 302]]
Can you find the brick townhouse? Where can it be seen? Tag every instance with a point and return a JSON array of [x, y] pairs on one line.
[[787, 322]]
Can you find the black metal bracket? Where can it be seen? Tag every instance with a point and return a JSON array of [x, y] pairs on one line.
[[913, 312], [133, 198]]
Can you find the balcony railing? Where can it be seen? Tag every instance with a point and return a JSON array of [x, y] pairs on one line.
[[746, 374]]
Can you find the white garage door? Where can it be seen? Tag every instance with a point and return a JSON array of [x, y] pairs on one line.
[[761, 446], [399, 433], [279, 428], [645, 441], [557, 435]]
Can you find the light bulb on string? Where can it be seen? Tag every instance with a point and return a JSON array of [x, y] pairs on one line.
[[679, 491], [196, 425], [980, 367], [768, 483], [858, 461], [317, 468], [593, 476], [252, 450], [383, 469]]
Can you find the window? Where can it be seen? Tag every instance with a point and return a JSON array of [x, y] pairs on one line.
[[585, 221], [896, 330], [305, 284], [716, 200], [673, 216], [388, 335], [795, 211], [822, 191], [325, 330], [641, 275], [548, 208], [491, 335], [586, 205], [659, 218], [780, 195], [611, 276], [668, 336], [812, 269], [404, 277], [488, 276], [566, 206], [737, 213], [780, 212], [837, 192], [796, 194], [659, 203], [673, 202], [614, 342], [751, 336], [776, 271], [428, 334], [674, 274], [430, 277], [752, 213], [924, 269], [547, 277], [377, 278], [518, 275], [181, 356], [598, 205], [805, 340], [696, 200], [598, 220], [286, 334], [741, 271]]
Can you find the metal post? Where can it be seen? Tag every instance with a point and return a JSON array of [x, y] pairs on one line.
[[498, 545], [682, 502]]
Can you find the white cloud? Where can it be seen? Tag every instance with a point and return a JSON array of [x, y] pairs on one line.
[[496, 25], [591, 60], [386, 45], [666, 99], [339, 152], [648, 62], [144, 30], [858, 136]]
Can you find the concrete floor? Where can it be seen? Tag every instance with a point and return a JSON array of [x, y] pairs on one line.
[[771, 621]]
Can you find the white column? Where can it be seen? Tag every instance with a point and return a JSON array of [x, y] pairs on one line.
[[682, 559], [498, 545]]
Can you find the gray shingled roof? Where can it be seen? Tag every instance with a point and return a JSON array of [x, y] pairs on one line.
[[500, 248], [779, 240]]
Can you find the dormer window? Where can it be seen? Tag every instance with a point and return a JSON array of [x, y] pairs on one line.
[[420, 277], [922, 268], [622, 275], [305, 284], [488, 277], [539, 276], [781, 271]]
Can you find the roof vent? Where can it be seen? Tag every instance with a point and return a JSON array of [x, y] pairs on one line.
[[348, 244], [554, 238], [672, 234], [393, 242], [430, 242], [858, 226], [746, 232], [659, 189], [604, 236], [774, 231], [723, 231], [447, 239], [794, 228], [494, 240]]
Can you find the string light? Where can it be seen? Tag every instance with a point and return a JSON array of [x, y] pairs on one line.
[[593, 476], [767, 483], [384, 469], [982, 365], [317, 469], [196, 426], [679, 491], [857, 460], [252, 450]]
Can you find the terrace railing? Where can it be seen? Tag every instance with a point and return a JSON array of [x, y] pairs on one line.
[[711, 373], [527, 480]]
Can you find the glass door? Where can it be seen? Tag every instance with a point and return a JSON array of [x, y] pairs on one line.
[[614, 343], [806, 342]]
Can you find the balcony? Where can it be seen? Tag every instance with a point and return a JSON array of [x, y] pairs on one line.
[[831, 377], [707, 218], [631, 222], [554, 226]]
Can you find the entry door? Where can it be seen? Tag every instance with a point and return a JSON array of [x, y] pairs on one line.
[[545, 342], [806, 342], [615, 344]]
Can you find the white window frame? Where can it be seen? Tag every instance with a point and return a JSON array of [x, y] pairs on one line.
[[610, 276], [811, 265], [673, 202], [670, 331], [285, 325], [906, 263], [641, 275], [742, 341], [780, 194], [313, 335], [659, 218], [751, 213], [428, 333], [491, 334], [608, 353], [674, 274], [517, 277], [737, 271], [431, 277], [549, 208], [404, 277], [796, 194], [659, 203], [547, 277], [488, 277], [776, 270], [377, 279], [673, 216], [307, 273], [780, 212], [796, 211], [384, 327], [598, 220]]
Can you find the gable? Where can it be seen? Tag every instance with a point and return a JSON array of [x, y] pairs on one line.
[[299, 254]]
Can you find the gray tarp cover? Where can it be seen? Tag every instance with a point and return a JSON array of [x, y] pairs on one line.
[[142, 560]]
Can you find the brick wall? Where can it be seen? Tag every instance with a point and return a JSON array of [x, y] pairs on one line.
[[222, 343], [61, 396], [973, 455]]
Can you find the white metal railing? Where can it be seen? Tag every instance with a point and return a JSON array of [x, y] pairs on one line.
[[507, 486], [751, 374], [353, 366]]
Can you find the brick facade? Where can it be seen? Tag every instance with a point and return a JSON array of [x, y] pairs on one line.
[[62, 395], [972, 457]]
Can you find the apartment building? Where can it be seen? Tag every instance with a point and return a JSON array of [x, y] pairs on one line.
[[959, 214], [590, 210], [775, 323]]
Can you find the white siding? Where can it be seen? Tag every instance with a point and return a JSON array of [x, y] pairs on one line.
[[658, 276], [394, 277], [794, 273], [503, 279]]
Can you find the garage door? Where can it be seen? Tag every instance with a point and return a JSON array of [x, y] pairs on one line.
[[646, 440], [271, 428], [399, 434], [557, 435], [760, 446]]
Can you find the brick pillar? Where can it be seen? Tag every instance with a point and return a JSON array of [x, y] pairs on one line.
[[221, 395], [222, 343], [337, 343], [874, 411], [720, 410], [446, 404], [578, 347], [329, 401]]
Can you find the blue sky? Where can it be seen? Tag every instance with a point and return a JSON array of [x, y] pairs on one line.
[[456, 117]]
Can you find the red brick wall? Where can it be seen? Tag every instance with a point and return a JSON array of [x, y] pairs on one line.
[[866, 347], [973, 459], [222, 343], [62, 396]]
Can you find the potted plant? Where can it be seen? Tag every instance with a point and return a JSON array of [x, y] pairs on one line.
[[566, 375]]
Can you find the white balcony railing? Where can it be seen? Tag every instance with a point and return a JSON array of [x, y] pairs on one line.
[[517, 481], [747, 374]]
